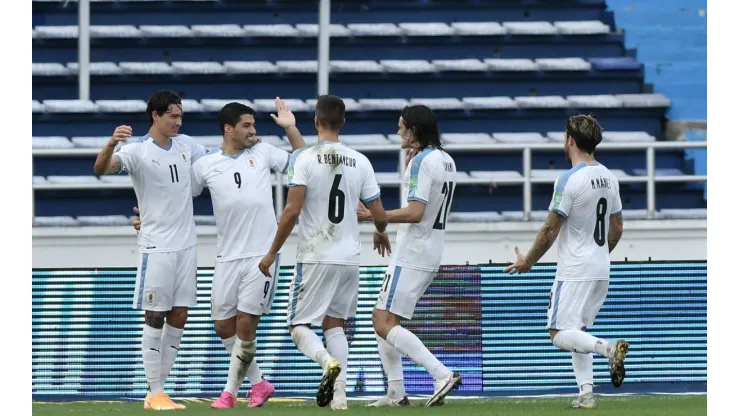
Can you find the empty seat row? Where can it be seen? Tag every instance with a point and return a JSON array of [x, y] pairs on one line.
[[370, 104], [361, 66], [485, 216], [336, 30], [61, 142], [384, 178]]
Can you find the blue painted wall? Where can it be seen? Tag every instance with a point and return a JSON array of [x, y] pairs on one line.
[[671, 40]]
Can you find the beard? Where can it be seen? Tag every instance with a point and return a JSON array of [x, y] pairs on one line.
[[250, 141]]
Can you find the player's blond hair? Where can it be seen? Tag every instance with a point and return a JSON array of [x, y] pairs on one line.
[[585, 130]]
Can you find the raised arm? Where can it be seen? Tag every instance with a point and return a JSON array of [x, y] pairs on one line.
[[105, 163], [286, 119]]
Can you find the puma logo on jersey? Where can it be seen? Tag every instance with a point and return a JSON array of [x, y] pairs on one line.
[[155, 161]]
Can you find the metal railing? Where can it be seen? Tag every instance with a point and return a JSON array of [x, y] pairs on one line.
[[526, 181]]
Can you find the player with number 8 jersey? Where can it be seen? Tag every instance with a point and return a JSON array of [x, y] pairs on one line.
[[586, 220]]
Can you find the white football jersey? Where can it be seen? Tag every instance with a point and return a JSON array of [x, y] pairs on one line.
[[586, 196], [429, 179], [161, 179], [336, 178], [241, 193]]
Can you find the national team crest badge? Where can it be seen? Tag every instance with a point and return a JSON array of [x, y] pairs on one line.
[[184, 157], [150, 297], [251, 162]]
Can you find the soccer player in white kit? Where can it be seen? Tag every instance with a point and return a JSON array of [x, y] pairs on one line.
[[585, 213], [237, 175], [159, 165], [327, 181], [428, 186]]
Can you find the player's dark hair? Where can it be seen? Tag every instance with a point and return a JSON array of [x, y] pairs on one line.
[[231, 113], [330, 112], [422, 123], [160, 102], [586, 132]]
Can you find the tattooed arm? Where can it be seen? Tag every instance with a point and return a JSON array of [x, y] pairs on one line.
[[547, 235], [615, 230]]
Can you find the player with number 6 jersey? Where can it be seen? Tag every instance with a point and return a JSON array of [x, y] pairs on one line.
[[326, 182], [428, 186], [585, 217]]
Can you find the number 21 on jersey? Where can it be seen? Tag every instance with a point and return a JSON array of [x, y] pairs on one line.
[[447, 190]]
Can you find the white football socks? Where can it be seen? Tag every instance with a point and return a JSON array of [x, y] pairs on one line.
[[583, 366], [411, 346], [241, 358], [229, 343], [254, 373], [393, 367], [151, 342], [338, 347], [574, 340], [310, 345], [170, 346]]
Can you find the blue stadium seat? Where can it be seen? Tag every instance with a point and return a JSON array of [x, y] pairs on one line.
[[501, 71]]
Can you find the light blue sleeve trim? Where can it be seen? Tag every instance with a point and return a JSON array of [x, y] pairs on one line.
[[371, 199], [559, 212], [413, 198], [615, 213]]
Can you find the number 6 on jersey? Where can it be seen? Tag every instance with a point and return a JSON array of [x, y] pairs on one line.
[[336, 201]]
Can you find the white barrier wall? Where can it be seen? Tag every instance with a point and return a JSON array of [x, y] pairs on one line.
[[465, 242]]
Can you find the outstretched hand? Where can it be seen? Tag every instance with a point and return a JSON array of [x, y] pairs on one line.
[[284, 118], [520, 266]]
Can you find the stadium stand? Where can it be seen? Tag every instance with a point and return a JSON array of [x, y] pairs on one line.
[[504, 73]]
